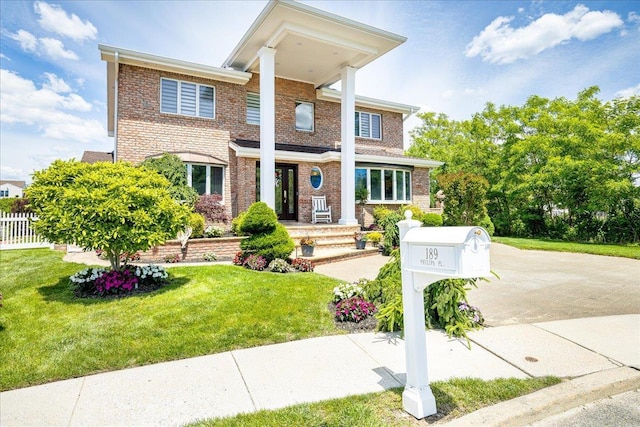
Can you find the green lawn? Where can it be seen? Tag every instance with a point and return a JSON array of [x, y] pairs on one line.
[[628, 251], [47, 334], [454, 398]]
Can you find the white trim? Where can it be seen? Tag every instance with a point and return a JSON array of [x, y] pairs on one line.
[[155, 62], [332, 95], [334, 156]]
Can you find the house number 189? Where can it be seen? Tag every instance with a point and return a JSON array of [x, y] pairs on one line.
[[432, 253]]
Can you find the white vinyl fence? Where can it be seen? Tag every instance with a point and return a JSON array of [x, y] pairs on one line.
[[16, 232]]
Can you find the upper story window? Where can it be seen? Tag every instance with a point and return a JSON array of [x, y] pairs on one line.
[[385, 185], [304, 116], [368, 125], [253, 108], [187, 99]]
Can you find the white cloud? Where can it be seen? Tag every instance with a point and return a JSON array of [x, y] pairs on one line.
[[21, 102], [55, 49], [28, 42], [633, 17], [500, 43], [56, 84], [7, 172], [53, 18], [628, 92], [3, 56], [47, 46]]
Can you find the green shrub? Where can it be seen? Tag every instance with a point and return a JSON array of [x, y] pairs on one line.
[[431, 220], [196, 222], [172, 168], [380, 212], [259, 219], [446, 304], [391, 231], [236, 224], [487, 224], [276, 244], [375, 237], [6, 204]]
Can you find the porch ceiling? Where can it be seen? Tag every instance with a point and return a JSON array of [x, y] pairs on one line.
[[311, 45]]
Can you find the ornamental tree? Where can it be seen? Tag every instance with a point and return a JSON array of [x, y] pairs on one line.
[[114, 207]]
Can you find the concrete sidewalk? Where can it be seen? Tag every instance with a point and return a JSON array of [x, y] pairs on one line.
[[594, 350]]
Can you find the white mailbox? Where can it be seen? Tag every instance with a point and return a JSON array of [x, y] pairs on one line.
[[427, 255], [451, 252]]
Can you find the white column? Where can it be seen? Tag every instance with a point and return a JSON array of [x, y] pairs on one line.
[[417, 398], [267, 127], [348, 156]]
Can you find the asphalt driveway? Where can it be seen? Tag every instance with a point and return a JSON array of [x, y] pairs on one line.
[[536, 286], [540, 286]]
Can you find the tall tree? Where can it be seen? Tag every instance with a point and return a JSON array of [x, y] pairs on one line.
[[114, 207]]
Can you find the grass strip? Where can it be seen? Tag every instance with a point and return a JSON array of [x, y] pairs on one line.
[[625, 251], [454, 398]]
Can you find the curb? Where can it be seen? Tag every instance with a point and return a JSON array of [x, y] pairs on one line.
[[553, 400]]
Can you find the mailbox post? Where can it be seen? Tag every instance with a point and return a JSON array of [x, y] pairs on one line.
[[429, 254]]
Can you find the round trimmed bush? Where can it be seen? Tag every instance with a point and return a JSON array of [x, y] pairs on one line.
[[276, 244], [259, 219]]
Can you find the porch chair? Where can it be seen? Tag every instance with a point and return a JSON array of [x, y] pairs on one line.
[[319, 210]]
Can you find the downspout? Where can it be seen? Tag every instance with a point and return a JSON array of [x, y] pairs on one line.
[[115, 108]]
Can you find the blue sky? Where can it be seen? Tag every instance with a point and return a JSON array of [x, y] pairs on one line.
[[458, 56]]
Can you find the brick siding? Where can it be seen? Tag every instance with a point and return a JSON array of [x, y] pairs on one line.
[[144, 131]]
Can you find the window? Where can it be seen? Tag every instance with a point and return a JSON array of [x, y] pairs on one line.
[[205, 179], [385, 185], [253, 108], [187, 99], [316, 178], [4, 193], [304, 116], [368, 125]]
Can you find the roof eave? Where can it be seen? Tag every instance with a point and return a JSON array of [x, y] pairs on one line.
[[145, 60], [332, 95]]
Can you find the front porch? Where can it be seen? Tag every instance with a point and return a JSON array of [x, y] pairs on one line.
[[334, 242]]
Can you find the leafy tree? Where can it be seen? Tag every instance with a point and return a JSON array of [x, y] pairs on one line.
[[171, 167], [466, 202], [114, 207], [555, 167]]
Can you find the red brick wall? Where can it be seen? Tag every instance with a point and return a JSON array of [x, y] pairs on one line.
[[144, 131], [225, 248]]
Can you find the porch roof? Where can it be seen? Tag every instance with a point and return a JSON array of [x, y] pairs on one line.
[[303, 153], [311, 45]]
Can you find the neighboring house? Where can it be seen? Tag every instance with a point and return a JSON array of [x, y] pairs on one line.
[[266, 126], [12, 188], [96, 156]]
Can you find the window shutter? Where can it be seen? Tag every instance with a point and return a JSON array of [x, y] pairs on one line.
[[253, 108], [169, 96], [188, 99], [206, 102]]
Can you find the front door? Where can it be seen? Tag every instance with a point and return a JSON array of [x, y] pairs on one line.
[[287, 192]]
